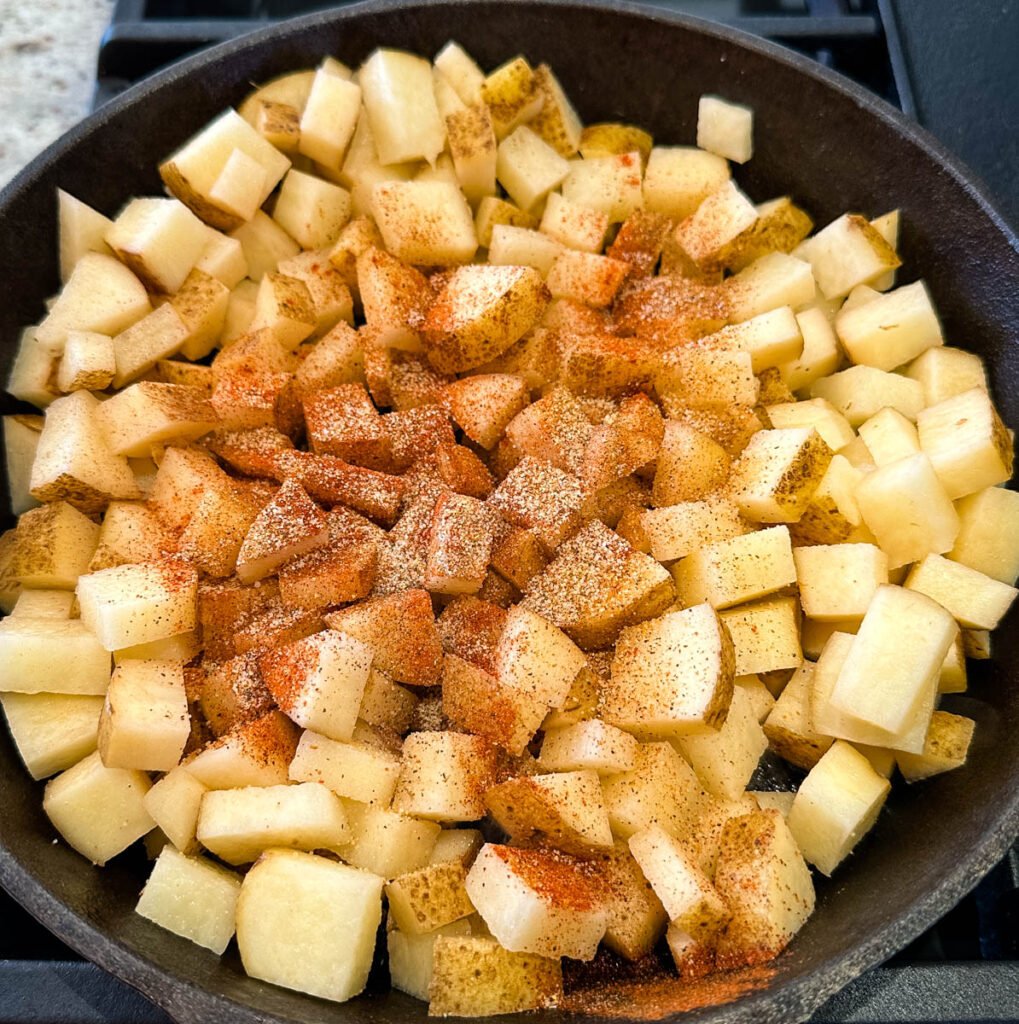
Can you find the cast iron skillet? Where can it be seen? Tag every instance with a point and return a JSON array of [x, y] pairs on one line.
[[836, 148]]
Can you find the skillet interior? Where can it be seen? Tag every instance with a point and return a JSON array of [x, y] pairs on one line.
[[834, 148]]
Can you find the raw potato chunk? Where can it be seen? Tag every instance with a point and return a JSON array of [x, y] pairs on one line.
[[483, 404], [44, 655], [838, 581], [88, 362], [609, 184], [765, 635], [636, 918], [328, 119], [836, 805], [537, 901], [945, 748], [444, 776], [386, 843], [988, 538], [672, 675], [889, 436], [790, 725], [944, 372], [238, 825], [254, 753], [976, 601], [528, 168], [81, 231], [847, 253], [174, 803], [892, 329], [319, 681], [45, 604], [425, 222], [511, 94], [721, 218], [52, 731], [725, 128], [54, 546], [590, 745], [99, 811], [761, 874], [355, 771], [830, 424], [309, 924], [191, 897], [480, 313], [148, 413], [136, 604], [473, 149], [476, 977], [679, 178], [457, 844], [145, 723], [513, 246], [863, 391], [678, 530], [410, 957], [686, 892], [431, 898]]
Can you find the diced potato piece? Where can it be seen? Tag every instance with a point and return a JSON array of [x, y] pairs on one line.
[[833, 513], [149, 413], [573, 225], [945, 372], [589, 745], [477, 977], [846, 253], [191, 897], [556, 121], [761, 700], [946, 747], [975, 601], [156, 336], [776, 279], [721, 218], [725, 128], [776, 474], [54, 546], [726, 760], [493, 213], [690, 466], [328, 119], [410, 957], [613, 139], [609, 184], [686, 892], [31, 377], [45, 655], [387, 843], [82, 230], [458, 845], [238, 825], [761, 874], [444, 776], [430, 898], [889, 436], [174, 803], [88, 362], [968, 445], [308, 923], [678, 530], [905, 505], [52, 731], [253, 753], [21, 442], [145, 723], [765, 635], [480, 313], [527, 167], [310, 210], [223, 259], [99, 811], [773, 339], [895, 658], [537, 901], [739, 569], [586, 277], [521, 247], [567, 808], [830, 424], [988, 538], [679, 178], [672, 675], [708, 377], [790, 726], [355, 771], [836, 805], [460, 70], [820, 355], [45, 604], [385, 704], [838, 581], [265, 244], [892, 329], [483, 404], [284, 307], [472, 146], [692, 959]]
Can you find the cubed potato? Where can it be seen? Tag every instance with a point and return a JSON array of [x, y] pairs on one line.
[[45, 604], [725, 128], [308, 923], [761, 874], [988, 538], [73, 461], [331, 298], [610, 185], [387, 843], [590, 745], [537, 901], [21, 441], [239, 825], [820, 354], [483, 404], [145, 723], [460, 70], [141, 346], [513, 246], [148, 413], [477, 977], [846, 253], [191, 897], [10, 588], [52, 731], [833, 514], [425, 222], [975, 600], [678, 530], [679, 178], [968, 445], [862, 391], [99, 811], [693, 959], [410, 956], [662, 788], [567, 808], [135, 604], [527, 167], [556, 120], [328, 117], [53, 547], [82, 230], [45, 655], [586, 278], [686, 892], [905, 506], [790, 725], [945, 747], [690, 466], [511, 93], [223, 259], [430, 898], [174, 803], [554, 429], [480, 313], [889, 436], [88, 362], [944, 372], [574, 225], [908, 635], [265, 245], [355, 771], [444, 776], [739, 569], [253, 753], [459, 845], [838, 581], [720, 218], [836, 805], [472, 145], [765, 635], [612, 139], [831, 426], [776, 279], [386, 705], [283, 306], [31, 377], [761, 699]]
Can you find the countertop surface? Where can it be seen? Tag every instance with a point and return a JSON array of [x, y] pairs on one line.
[[47, 70]]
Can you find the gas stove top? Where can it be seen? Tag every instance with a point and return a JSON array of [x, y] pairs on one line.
[[937, 60]]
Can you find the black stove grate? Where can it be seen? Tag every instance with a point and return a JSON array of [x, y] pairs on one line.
[[965, 968]]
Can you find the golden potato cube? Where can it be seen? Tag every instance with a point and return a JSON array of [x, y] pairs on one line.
[[944, 372], [537, 901], [283, 306], [761, 700], [862, 391], [725, 128], [476, 977], [773, 280], [831, 426], [988, 538], [513, 246], [765, 635], [460, 70], [310, 210], [387, 843], [88, 362], [678, 530], [444, 776], [690, 466], [761, 874], [720, 218], [976, 601], [253, 753], [174, 803], [425, 222], [590, 745], [45, 655], [679, 178], [53, 547], [52, 731], [99, 811], [689, 898], [385, 704], [790, 726], [494, 212], [430, 898], [846, 253], [586, 277], [45, 604], [892, 329], [355, 771], [483, 404], [609, 139], [945, 747], [309, 924], [838, 581], [556, 121], [527, 167], [223, 259], [191, 897]]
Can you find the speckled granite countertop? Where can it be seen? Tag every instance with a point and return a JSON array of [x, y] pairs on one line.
[[47, 68]]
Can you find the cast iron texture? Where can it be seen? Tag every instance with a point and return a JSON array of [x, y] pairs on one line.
[[827, 142]]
